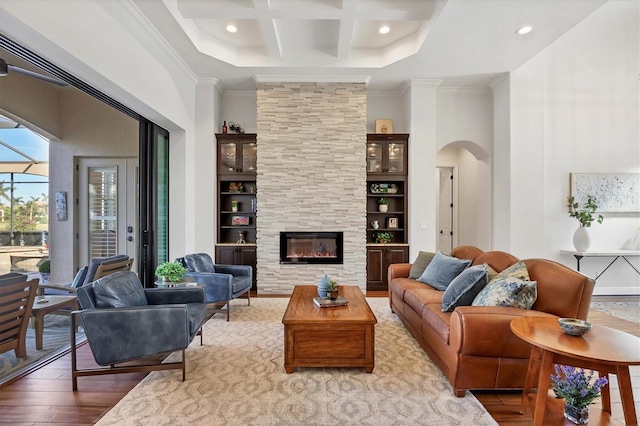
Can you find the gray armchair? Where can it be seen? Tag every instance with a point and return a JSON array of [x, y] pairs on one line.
[[124, 321], [222, 283]]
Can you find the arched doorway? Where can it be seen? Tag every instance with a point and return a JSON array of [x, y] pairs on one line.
[[464, 182]]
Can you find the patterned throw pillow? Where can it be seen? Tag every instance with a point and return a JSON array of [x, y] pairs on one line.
[[517, 270], [512, 292], [420, 264], [442, 270], [464, 288]]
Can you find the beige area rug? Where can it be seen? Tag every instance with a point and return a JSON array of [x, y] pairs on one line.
[[629, 311], [238, 378]]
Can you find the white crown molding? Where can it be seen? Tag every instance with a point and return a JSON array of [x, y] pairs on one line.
[[159, 39], [408, 84], [476, 89], [312, 79], [495, 81]]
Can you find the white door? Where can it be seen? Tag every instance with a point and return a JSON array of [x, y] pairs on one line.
[[445, 209], [108, 210]]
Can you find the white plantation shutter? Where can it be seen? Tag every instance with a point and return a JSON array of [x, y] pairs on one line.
[[103, 211]]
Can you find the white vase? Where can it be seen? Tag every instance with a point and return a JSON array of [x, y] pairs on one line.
[[582, 239], [383, 207]]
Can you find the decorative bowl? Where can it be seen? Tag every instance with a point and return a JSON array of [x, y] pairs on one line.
[[574, 326]]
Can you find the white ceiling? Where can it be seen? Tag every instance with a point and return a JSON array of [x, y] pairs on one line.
[[462, 42]]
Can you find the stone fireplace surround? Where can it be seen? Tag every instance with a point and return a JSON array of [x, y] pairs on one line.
[[311, 177]]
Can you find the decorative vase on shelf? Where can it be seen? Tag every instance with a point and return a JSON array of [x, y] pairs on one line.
[[582, 239], [578, 415], [323, 286], [383, 207]]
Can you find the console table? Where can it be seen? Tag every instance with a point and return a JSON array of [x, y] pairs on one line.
[[616, 254]]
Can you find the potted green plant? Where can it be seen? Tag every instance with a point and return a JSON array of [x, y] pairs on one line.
[[383, 204], [383, 237], [578, 389], [332, 289], [171, 271], [45, 270], [585, 215]]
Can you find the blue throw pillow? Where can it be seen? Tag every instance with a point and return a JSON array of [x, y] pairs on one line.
[[442, 270], [464, 288]]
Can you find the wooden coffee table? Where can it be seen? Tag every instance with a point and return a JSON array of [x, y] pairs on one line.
[[342, 336], [40, 309], [603, 349]]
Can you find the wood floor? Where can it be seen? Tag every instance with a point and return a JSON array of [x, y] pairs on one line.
[[45, 397]]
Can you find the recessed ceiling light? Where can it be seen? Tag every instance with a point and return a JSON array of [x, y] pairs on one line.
[[524, 30], [231, 28], [384, 29]]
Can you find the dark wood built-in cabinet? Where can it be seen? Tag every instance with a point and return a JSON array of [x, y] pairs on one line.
[[237, 203], [387, 177]]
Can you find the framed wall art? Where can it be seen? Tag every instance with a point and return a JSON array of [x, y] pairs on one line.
[[392, 223], [384, 126], [617, 194]]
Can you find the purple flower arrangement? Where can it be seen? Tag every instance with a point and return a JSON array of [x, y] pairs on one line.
[[576, 386]]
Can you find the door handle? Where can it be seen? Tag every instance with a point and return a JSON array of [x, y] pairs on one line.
[[129, 238]]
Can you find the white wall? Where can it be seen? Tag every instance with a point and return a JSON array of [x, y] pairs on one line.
[[241, 109], [575, 109], [464, 122]]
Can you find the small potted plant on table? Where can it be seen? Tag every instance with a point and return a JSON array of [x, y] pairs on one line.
[[171, 272], [332, 290]]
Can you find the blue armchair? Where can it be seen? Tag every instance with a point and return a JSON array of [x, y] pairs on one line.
[[222, 283], [124, 321]]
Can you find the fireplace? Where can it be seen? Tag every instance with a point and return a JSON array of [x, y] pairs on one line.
[[311, 247]]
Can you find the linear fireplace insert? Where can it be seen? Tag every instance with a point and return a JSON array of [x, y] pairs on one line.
[[311, 247]]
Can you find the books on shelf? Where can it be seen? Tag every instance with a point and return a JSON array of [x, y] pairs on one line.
[[325, 302]]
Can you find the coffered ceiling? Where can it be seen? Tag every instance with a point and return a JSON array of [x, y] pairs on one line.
[[461, 42]]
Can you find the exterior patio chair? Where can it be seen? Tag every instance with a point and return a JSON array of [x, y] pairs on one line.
[[97, 268], [222, 283], [16, 300], [125, 322]]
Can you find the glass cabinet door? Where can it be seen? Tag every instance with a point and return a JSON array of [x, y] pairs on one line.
[[396, 157], [374, 157], [249, 157], [228, 157]]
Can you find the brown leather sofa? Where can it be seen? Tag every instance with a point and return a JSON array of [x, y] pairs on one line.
[[474, 345]]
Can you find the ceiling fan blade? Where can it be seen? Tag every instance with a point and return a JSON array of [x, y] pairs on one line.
[[36, 75]]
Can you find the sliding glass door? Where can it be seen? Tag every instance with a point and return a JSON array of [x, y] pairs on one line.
[[154, 200]]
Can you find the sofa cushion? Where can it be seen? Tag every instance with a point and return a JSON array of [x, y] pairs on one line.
[[512, 292], [417, 298], [420, 264], [119, 290], [442, 270], [465, 287], [517, 270], [438, 321], [401, 285]]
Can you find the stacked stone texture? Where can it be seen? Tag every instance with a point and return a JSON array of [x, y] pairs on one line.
[[311, 177]]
